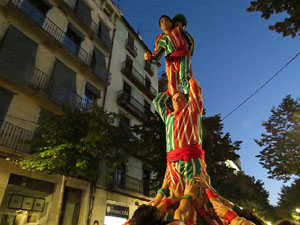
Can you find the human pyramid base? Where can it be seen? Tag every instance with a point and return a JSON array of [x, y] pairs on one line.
[[186, 196]]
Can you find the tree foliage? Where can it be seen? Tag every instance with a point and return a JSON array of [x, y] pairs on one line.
[[290, 26], [281, 142], [151, 147], [249, 193], [218, 148], [73, 144], [289, 200]]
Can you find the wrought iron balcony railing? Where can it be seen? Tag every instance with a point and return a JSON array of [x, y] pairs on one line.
[[94, 26], [132, 105], [15, 137], [52, 29], [41, 81], [131, 184], [136, 77]]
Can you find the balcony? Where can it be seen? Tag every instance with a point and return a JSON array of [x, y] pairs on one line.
[[135, 77], [149, 68], [127, 183], [131, 48], [15, 137], [44, 83], [52, 29], [131, 105], [132, 184], [92, 30], [40, 81]]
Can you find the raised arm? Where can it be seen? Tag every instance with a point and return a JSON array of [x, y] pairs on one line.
[[158, 51], [195, 96], [160, 104]]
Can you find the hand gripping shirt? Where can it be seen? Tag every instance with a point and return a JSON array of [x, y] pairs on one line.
[[183, 128]]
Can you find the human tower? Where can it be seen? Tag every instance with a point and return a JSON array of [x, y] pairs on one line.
[[186, 196]]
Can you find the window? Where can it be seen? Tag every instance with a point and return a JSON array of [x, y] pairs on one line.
[[103, 33], [35, 9], [83, 12], [147, 108], [120, 176], [91, 94], [130, 41], [148, 83], [99, 64], [128, 64], [127, 91], [73, 39], [130, 45]]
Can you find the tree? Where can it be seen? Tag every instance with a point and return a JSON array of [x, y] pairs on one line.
[[73, 144], [151, 147], [218, 148], [290, 26], [289, 199], [281, 141], [249, 193]]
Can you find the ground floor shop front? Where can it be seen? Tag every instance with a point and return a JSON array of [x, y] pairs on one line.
[[28, 198]]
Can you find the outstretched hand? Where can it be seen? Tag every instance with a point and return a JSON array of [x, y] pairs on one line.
[[147, 56], [220, 209], [175, 192], [191, 188]]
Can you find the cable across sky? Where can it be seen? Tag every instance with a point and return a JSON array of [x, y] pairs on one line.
[[261, 87]]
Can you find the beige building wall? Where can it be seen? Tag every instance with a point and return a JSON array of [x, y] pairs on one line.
[[26, 104], [134, 166], [7, 168]]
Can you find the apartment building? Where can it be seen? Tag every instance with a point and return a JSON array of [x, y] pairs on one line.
[[132, 88], [53, 53]]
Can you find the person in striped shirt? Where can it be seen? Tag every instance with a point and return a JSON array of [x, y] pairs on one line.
[[172, 42], [185, 157], [180, 20]]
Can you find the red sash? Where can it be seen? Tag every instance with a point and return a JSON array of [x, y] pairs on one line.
[[186, 153]]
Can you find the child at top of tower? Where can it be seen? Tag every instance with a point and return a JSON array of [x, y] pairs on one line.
[[173, 43], [179, 20]]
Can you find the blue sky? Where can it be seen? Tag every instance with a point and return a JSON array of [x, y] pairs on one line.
[[235, 54]]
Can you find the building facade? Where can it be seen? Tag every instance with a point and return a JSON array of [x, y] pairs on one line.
[[57, 53], [133, 85]]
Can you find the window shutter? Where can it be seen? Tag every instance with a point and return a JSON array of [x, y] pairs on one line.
[[104, 34], [84, 12], [64, 84], [17, 56], [99, 66], [6, 97]]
